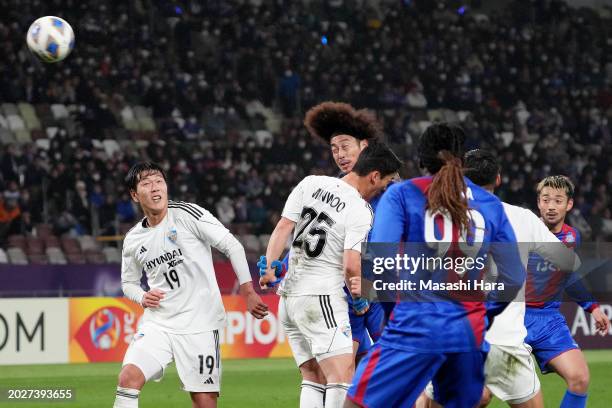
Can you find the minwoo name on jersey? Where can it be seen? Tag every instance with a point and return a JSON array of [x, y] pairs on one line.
[[329, 199]]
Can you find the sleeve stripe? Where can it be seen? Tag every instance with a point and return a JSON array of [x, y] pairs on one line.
[[186, 209], [191, 206]]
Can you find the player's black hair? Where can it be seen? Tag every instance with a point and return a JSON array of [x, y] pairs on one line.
[[329, 119], [377, 157], [440, 151], [140, 170], [481, 166]]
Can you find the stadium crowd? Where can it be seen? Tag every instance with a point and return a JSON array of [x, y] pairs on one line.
[[227, 84]]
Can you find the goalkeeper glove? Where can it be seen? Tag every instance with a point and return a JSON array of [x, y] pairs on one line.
[[361, 306], [276, 265]]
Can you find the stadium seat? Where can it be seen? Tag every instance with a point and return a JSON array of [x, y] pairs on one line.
[[141, 112], [70, 246], [423, 125], [38, 259], [76, 258], [6, 136], [35, 245], [462, 115], [88, 243], [3, 257], [111, 146], [17, 256], [449, 116], [51, 131], [22, 136], [59, 111], [56, 256], [147, 124], [42, 143], [18, 241], [111, 254], [15, 122], [9, 109], [95, 257], [129, 119], [29, 115], [97, 144], [263, 137], [51, 241], [507, 138], [435, 115]]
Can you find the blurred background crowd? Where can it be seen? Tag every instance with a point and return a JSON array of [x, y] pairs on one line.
[[215, 91]]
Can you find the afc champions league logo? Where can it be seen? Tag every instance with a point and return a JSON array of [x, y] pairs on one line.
[[104, 329]]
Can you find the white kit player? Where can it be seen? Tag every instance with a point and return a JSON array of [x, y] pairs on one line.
[[330, 218], [510, 372], [183, 308]]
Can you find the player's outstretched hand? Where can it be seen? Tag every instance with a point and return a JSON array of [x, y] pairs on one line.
[[152, 298], [255, 305], [269, 277], [602, 323]]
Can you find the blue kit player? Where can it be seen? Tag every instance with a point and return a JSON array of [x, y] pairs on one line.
[[432, 335], [547, 331]]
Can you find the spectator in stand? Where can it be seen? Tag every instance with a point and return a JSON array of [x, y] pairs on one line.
[[530, 82]]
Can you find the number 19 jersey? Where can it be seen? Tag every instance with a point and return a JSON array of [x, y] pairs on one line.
[[330, 216], [176, 258]]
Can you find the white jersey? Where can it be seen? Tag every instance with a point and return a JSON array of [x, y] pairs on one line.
[[330, 217], [176, 258], [532, 235]]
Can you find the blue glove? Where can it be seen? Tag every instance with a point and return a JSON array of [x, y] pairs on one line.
[[278, 269], [361, 306]]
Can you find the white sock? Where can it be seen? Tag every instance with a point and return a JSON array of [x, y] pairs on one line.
[[126, 398], [312, 395], [335, 394]]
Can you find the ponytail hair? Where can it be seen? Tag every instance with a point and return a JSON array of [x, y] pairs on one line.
[[447, 191], [440, 151]]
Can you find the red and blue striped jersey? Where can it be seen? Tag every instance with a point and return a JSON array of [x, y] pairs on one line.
[[434, 322], [546, 284]]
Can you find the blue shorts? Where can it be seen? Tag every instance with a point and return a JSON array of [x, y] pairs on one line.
[[389, 377], [548, 335], [367, 328]]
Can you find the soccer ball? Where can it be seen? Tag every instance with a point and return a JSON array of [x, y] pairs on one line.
[[50, 38]]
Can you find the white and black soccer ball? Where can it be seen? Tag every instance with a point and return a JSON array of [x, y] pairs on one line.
[[50, 38]]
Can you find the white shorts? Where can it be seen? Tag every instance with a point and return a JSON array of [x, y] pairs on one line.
[[197, 357], [316, 326], [510, 373]]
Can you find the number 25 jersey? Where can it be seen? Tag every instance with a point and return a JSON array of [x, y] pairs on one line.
[[176, 258], [330, 216]]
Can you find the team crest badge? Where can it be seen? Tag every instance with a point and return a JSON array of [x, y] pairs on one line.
[[570, 238], [346, 330], [171, 235]]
